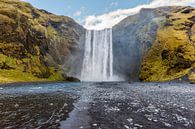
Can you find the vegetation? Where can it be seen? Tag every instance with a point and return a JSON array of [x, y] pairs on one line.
[[172, 55], [29, 42]]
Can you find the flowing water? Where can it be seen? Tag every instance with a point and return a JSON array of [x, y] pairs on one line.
[[110, 105], [98, 56]]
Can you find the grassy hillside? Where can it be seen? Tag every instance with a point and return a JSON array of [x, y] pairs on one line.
[[34, 43], [172, 55]]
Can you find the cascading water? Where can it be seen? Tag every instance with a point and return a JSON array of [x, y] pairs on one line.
[[98, 56]]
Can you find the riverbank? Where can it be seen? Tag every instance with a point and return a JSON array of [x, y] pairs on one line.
[[36, 82], [30, 83]]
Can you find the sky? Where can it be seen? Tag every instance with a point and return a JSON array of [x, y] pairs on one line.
[[100, 14]]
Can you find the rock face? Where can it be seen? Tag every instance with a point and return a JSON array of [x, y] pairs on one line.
[[36, 45], [157, 44], [153, 45], [132, 37], [172, 55]]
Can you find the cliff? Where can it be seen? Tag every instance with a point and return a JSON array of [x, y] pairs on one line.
[[132, 38], [156, 44], [153, 45], [35, 44], [172, 54]]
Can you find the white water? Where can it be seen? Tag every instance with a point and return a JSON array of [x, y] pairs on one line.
[[98, 56]]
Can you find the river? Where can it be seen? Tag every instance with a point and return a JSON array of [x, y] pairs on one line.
[[113, 105]]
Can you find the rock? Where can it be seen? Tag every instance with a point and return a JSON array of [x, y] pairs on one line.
[[191, 77], [165, 54], [16, 105], [192, 82], [69, 78], [132, 38], [94, 124], [72, 79], [187, 10]]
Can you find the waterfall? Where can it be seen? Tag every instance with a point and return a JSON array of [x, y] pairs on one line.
[[98, 56]]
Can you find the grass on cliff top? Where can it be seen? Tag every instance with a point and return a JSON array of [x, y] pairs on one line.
[[13, 8]]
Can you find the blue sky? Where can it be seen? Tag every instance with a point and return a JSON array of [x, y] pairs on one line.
[[79, 9], [100, 14]]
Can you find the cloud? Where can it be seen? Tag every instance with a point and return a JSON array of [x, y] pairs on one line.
[[114, 4], [79, 12], [110, 19]]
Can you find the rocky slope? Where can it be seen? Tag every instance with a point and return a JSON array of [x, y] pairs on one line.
[[158, 44], [172, 55], [35, 44], [132, 38]]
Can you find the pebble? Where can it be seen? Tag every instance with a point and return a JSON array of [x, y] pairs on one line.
[[138, 125], [16, 105], [94, 124], [127, 127], [167, 124], [130, 120], [183, 108], [155, 120], [57, 121]]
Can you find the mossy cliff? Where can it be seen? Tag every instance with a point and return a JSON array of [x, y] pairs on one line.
[[157, 44], [172, 54], [34, 44], [153, 45]]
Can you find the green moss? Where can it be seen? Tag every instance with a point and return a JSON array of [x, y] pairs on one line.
[[51, 32], [35, 71], [6, 19], [26, 43], [173, 53], [8, 76], [55, 75]]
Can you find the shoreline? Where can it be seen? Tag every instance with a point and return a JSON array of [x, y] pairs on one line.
[[33, 82], [50, 82]]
